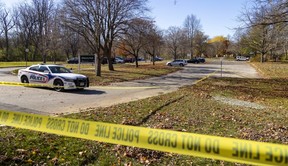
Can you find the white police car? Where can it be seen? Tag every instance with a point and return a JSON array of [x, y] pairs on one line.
[[55, 76]]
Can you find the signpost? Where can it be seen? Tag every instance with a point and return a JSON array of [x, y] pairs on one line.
[[26, 55], [221, 59], [86, 59]]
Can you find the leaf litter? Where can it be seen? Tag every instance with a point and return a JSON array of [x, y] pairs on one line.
[[196, 111]]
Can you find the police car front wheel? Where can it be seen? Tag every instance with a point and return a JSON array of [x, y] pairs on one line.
[[24, 79], [58, 85]]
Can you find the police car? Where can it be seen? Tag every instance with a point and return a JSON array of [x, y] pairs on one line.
[[55, 76]]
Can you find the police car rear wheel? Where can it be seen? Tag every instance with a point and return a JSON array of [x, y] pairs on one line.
[[58, 85], [24, 79]]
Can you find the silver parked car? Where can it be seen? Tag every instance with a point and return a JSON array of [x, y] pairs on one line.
[[177, 62]]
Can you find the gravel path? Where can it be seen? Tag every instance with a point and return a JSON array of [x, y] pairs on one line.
[[236, 102]]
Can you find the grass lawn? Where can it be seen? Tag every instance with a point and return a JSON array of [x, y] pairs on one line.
[[18, 64], [191, 108], [124, 72], [272, 69]]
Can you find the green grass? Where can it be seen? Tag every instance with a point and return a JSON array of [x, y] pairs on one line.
[[191, 109], [273, 69], [19, 64], [126, 72]]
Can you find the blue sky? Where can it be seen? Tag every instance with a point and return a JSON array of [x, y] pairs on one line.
[[217, 17]]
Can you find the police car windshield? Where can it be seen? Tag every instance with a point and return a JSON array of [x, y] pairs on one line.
[[59, 69]]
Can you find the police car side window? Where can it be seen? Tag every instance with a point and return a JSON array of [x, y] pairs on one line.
[[42, 69], [34, 68]]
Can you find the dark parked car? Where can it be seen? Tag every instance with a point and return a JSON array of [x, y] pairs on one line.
[[129, 60], [196, 60], [73, 61], [201, 60]]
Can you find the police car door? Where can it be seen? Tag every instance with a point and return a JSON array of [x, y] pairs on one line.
[[37, 75]]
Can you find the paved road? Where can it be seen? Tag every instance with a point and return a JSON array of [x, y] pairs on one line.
[[47, 101]]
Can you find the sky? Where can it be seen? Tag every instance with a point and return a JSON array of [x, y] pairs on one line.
[[217, 17]]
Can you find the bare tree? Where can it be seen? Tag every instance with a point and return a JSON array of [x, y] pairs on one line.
[[25, 21], [34, 23], [7, 24], [259, 39], [191, 26], [200, 40], [54, 38], [134, 39], [70, 42], [44, 10], [84, 18], [153, 42], [117, 14], [271, 12], [100, 22], [173, 39], [283, 35], [262, 34]]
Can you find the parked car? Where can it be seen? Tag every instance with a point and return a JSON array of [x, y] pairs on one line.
[[242, 58], [129, 60], [73, 61], [56, 76], [196, 60], [119, 60], [201, 60], [140, 59], [157, 59], [177, 62]]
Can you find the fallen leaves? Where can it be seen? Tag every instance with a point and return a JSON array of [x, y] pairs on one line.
[[195, 112], [143, 156]]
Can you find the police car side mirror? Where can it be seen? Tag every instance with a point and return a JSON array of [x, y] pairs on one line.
[[46, 71]]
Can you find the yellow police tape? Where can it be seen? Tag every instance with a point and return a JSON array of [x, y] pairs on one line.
[[26, 84], [228, 149], [53, 86], [204, 78]]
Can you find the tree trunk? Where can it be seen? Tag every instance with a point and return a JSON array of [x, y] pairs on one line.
[[7, 45], [44, 58], [35, 52], [262, 57], [108, 54], [153, 59], [110, 63], [136, 62], [286, 52], [98, 70]]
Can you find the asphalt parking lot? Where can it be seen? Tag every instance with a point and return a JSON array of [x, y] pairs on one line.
[[48, 101]]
